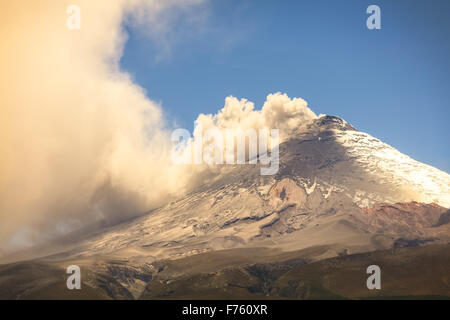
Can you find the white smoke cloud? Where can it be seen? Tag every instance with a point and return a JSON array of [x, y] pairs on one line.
[[240, 134], [278, 112], [80, 143]]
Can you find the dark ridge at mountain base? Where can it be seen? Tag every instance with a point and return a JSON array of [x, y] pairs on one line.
[[406, 273]]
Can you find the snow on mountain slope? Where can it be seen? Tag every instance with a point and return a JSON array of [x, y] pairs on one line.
[[394, 167]]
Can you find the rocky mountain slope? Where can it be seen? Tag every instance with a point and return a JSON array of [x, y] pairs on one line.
[[329, 189], [337, 189]]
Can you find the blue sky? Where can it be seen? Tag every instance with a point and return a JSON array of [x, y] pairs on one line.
[[393, 83]]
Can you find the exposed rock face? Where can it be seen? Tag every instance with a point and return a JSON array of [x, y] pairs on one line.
[[412, 218], [286, 192], [329, 123], [420, 215]]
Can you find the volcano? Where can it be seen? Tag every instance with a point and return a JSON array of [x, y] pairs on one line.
[[341, 200]]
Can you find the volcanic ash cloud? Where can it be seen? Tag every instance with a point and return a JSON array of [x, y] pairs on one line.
[[80, 142]]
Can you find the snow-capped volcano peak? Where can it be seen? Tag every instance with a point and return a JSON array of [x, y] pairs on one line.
[[417, 180], [404, 178]]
